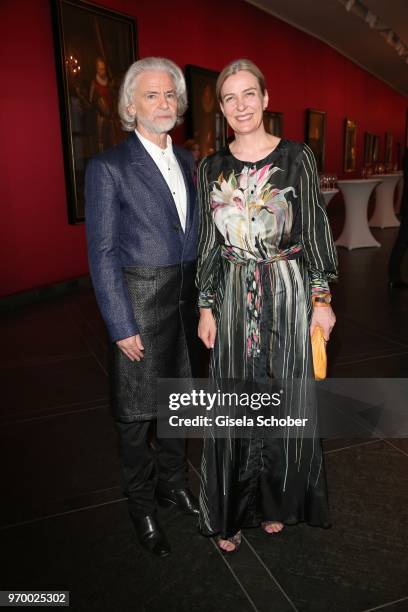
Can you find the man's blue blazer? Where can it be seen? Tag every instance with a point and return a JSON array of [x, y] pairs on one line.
[[132, 220]]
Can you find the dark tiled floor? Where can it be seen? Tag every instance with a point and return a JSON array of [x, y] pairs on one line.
[[357, 562], [63, 519]]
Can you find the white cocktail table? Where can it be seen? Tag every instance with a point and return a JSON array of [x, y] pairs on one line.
[[328, 194], [384, 215], [356, 233]]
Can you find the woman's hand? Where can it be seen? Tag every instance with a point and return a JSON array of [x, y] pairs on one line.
[[324, 317], [207, 328]]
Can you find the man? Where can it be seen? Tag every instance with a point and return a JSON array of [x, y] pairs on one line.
[[101, 95], [141, 221]]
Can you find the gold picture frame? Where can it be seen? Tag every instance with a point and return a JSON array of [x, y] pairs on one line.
[[388, 150], [94, 47], [370, 148], [205, 122], [376, 147], [273, 122], [315, 135], [350, 145]]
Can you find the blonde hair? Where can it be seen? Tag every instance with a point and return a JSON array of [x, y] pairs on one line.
[[236, 66]]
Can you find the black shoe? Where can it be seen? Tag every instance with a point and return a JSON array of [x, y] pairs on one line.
[[182, 498], [397, 285], [151, 537]]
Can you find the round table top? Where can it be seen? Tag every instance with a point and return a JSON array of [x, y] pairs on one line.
[[388, 175], [359, 181]]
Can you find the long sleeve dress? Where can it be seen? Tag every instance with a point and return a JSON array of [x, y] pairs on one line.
[[265, 247]]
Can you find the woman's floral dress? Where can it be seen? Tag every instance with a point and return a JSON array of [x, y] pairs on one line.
[[265, 248]]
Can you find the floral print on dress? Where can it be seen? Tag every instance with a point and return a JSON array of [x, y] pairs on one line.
[[254, 217], [252, 214]]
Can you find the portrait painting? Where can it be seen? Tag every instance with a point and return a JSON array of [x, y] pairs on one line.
[[376, 147], [94, 47], [315, 135], [273, 122], [369, 148], [350, 145], [389, 142], [205, 123]]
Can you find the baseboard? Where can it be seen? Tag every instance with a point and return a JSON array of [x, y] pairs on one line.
[[41, 294]]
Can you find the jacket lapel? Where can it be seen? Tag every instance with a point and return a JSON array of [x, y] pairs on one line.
[[188, 182], [138, 154], [146, 166]]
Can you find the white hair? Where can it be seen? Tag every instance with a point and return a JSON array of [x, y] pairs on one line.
[[128, 87]]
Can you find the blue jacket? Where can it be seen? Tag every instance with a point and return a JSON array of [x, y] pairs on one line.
[[132, 220]]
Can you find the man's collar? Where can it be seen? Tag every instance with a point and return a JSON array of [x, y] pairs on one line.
[[151, 146]]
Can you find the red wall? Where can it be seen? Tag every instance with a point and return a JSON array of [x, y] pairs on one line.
[[38, 246]]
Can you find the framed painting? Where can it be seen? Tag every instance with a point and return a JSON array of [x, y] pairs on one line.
[[205, 123], [350, 145], [315, 135], [389, 141], [273, 123], [376, 147], [93, 48], [369, 141]]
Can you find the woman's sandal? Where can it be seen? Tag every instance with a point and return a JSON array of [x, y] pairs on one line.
[[265, 524], [235, 540]]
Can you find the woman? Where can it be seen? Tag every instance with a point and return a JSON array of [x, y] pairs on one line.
[[265, 256]]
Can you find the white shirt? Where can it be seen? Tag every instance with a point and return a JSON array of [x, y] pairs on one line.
[[168, 165]]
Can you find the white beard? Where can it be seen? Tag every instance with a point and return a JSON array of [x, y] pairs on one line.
[[159, 127]]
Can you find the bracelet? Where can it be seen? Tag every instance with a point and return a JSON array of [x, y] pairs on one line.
[[321, 299]]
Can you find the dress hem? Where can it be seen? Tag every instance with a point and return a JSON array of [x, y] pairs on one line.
[[212, 534]]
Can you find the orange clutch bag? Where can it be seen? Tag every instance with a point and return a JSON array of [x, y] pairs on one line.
[[319, 354]]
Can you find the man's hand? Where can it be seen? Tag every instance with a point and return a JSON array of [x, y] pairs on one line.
[[207, 328], [132, 347], [323, 316]]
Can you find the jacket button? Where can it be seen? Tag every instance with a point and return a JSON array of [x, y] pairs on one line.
[[176, 227]]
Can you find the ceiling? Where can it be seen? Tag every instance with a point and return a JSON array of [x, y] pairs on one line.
[[348, 33]]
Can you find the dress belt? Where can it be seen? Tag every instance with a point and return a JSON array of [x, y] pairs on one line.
[[253, 282]]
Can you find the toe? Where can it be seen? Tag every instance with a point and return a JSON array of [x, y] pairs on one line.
[[226, 545], [272, 527]]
